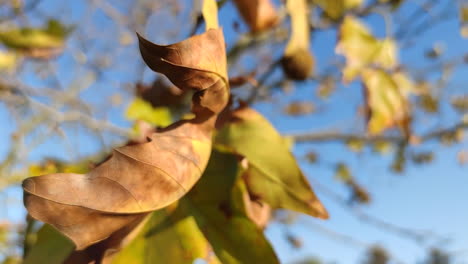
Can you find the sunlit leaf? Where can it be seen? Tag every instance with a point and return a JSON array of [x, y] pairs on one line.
[[142, 110], [387, 104], [273, 174], [362, 49], [169, 236], [210, 14], [8, 60]]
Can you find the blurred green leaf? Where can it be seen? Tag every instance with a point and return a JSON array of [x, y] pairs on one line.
[[51, 247], [218, 205], [214, 210], [139, 109], [36, 42], [169, 236]]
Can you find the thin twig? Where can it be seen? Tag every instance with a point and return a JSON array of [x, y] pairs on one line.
[[330, 136], [419, 236]]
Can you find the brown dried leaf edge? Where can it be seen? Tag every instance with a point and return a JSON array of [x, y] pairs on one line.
[[141, 178]]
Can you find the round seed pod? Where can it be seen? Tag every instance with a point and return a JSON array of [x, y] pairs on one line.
[[298, 65]]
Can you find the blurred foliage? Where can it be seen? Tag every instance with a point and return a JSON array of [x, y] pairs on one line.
[[47, 55]]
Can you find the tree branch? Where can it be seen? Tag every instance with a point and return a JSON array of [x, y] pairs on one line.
[[330, 136]]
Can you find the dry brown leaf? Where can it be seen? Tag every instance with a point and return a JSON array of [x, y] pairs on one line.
[[259, 15], [257, 211], [141, 178]]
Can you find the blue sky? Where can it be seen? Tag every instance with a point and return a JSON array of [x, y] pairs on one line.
[[429, 197]]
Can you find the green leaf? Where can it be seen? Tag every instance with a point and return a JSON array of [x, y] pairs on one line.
[[218, 205], [169, 236], [213, 211], [51, 247], [139, 109], [273, 174], [51, 36]]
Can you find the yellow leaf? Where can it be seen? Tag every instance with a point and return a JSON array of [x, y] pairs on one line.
[[362, 49], [298, 10], [8, 60], [387, 104], [142, 110], [298, 61], [47, 168], [210, 13], [336, 8]]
